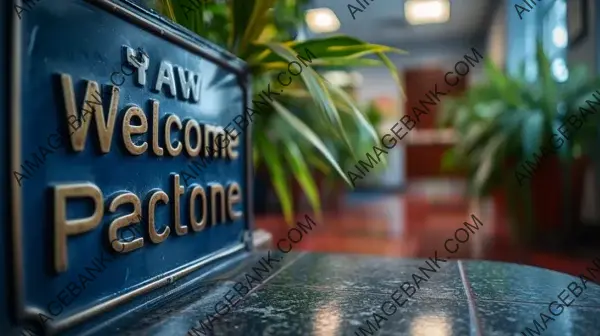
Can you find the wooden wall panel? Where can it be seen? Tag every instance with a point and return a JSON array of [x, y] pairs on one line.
[[424, 160]]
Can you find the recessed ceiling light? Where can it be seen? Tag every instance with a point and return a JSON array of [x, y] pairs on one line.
[[560, 36], [322, 20], [426, 11]]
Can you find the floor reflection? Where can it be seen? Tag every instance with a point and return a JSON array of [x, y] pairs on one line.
[[327, 320], [431, 326], [415, 224]]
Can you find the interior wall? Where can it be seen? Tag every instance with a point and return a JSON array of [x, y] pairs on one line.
[[494, 44], [496, 39], [585, 52], [378, 82], [517, 31]]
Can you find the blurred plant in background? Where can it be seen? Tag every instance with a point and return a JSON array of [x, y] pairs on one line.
[[504, 121], [314, 125]]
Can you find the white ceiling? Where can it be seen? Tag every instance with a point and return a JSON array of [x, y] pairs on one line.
[[383, 22]]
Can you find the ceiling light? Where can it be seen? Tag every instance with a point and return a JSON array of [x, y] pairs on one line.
[[560, 37], [426, 11], [322, 20]]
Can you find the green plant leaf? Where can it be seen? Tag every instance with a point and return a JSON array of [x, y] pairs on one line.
[[364, 49], [393, 71], [500, 86], [297, 93], [245, 27], [186, 14], [250, 17], [283, 66], [579, 87], [338, 46], [346, 62], [316, 162], [256, 157], [166, 8], [474, 136], [341, 46], [309, 135], [548, 83], [362, 121], [489, 161], [565, 150], [512, 117], [318, 90], [532, 133], [301, 172], [278, 176]]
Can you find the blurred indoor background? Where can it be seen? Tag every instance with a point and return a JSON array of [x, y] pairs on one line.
[[410, 207], [466, 156]]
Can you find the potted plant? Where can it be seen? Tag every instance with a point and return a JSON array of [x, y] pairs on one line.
[[263, 33], [360, 139], [505, 128]]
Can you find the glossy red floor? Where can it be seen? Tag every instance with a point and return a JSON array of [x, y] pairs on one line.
[[416, 224]]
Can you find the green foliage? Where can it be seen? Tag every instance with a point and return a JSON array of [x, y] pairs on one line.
[[507, 119], [313, 124]]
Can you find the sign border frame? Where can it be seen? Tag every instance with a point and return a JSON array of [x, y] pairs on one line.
[[175, 34]]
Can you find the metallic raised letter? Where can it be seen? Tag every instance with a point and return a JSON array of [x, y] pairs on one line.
[[64, 227]]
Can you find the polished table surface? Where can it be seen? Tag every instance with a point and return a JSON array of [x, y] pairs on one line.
[[335, 294]]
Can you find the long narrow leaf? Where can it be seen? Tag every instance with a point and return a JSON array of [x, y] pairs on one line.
[[250, 19], [346, 62], [363, 122], [300, 169], [317, 88], [283, 66], [532, 133], [278, 176], [547, 81], [316, 162], [501, 85], [330, 47], [393, 71], [241, 11], [167, 8], [255, 157], [488, 162], [309, 135]]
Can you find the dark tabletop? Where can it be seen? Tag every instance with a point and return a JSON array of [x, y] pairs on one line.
[[337, 294]]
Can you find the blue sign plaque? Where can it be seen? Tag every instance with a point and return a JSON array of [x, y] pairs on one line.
[[127, 174]]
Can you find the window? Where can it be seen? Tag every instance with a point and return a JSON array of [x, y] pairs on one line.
[[551, 28], [531, 32], [555, 38]]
